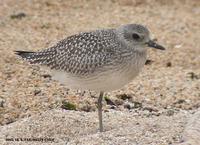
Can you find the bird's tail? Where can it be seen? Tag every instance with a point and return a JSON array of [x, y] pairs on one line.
[[45, 57], [24, 54], [32, 57]]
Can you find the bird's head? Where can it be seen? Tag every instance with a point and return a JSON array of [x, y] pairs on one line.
[[138, 37]]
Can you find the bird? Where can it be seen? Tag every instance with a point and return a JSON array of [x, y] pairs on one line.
[[101, 60]]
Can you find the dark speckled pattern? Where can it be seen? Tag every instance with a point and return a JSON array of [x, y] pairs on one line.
[[84, 53]]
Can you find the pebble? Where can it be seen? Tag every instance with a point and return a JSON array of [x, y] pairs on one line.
[[148, 62], [2, 101], [169, 64], [132, 105], [109, 101], [193, 76], [170, 112], [18, 15], [119, 102], [124, 96], [150, 109], [37, 91], [87, 107]]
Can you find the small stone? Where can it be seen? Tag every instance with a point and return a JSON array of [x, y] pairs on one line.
[[109, 101], [170, 112], [178, 46], [18, 16], [45, 26], [146, 113], [37, 91], [150, 109], [148, 62], [169, 64], [46, 76], [193, 76], [2, 101], [127, 106], [180, 101], [130, 105], [87, 108], [119, 102], [137, 123], [112, 107], [156, 113], [124, 96], [137, 104], [10, 120]]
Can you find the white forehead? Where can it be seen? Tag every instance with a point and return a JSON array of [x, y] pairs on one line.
[[135, 28]]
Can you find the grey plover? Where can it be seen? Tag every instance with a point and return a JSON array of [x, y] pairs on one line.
[[101, 60]]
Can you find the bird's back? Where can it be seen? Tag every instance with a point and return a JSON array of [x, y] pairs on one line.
[[79, 54]]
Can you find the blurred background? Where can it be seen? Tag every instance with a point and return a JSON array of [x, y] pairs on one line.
[[170, 80]]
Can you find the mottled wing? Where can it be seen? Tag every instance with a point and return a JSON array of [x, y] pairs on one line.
[[78, 54]]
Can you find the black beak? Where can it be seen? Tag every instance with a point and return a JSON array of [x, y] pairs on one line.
[[153, 44]]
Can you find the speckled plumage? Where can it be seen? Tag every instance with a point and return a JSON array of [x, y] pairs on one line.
[[101, 60], [79, 54], [89, 59]]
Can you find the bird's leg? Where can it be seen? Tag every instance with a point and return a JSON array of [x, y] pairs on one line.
[[100, 111]]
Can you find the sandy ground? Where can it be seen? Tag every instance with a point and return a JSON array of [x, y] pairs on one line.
[[163, 97]]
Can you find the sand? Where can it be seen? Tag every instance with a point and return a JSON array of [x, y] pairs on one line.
[[159, 104]]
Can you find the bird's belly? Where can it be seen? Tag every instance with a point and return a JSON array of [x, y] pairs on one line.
[[105, 82], [109, 80]]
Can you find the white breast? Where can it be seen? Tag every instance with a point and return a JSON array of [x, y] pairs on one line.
[[108, 80]]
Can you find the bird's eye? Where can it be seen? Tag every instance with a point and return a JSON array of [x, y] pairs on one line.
[[136, 36]]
